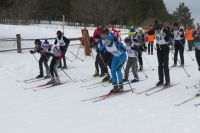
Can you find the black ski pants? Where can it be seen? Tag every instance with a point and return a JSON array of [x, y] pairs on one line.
[[179, 48], [43, 59], [163, 62]]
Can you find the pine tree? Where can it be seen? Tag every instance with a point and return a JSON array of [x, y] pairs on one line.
[[183, 15]]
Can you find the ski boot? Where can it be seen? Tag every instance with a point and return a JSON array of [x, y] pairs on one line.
[[135, 80], [121, 87], [47, 76], [159, 83], [64, 67], [125, 80], [182, 65], [167, 84], [96, 74], [52, 81], [141, 69], [40, 76], [175, 65], [57, 81], [101, 75], [106, 79], [198, 94], [115, 89]]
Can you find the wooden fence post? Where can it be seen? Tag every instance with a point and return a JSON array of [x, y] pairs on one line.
[[18, 39], [86, 41]]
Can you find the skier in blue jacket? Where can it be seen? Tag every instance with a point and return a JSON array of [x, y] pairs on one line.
[[119, 57]]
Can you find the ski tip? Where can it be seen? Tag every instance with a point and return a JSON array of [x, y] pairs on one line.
[[176, 105]]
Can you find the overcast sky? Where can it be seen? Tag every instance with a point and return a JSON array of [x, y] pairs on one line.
[[194, 6]]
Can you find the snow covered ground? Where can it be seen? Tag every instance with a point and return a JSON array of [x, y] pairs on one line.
[[61, 110]]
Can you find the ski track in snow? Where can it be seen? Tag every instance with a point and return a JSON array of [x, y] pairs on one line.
[[61, 110]]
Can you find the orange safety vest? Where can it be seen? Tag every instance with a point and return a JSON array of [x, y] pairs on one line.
[[151, 38], [189, 35]]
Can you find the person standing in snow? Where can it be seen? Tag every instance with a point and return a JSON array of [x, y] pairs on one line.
[[107, 57], [42, 48], [151, 38], [162, 40], [132, 51], [197, 50], [119, 57], [179, 45], [56, 54], [140, 38], [97, 31], [98, 60], [197, 47], [189, 36], [63, 43]]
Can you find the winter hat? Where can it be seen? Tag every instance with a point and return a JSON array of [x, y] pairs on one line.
[[59, 32], [37, 41], [132, 29], [127, 40], [46, 42]]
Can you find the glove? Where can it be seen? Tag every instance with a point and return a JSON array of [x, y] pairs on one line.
[[38, 50], [31, 52]]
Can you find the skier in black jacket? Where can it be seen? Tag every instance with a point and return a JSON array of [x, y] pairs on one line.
[[63, 43], [42, 49], [162, 40]]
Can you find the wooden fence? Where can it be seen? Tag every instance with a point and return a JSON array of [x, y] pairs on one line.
[[19, 40]]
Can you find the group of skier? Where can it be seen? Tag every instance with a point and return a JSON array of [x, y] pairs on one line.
[[113, 53], [56, 51]]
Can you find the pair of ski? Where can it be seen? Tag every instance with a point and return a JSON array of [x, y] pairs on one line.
[[107, 96], [31, 80], [105, 84], [46, 86], [177, 67], [88, 79], [157, 89], [95, 84], [189, 100]]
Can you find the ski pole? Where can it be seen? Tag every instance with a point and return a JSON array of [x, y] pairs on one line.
[[104, 65], [76, 56], [77, 52], [67, 75], [127, 80], [182, 66], [69, 59], [190, 56], [186, 52], [146, 76], [35, 58]]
